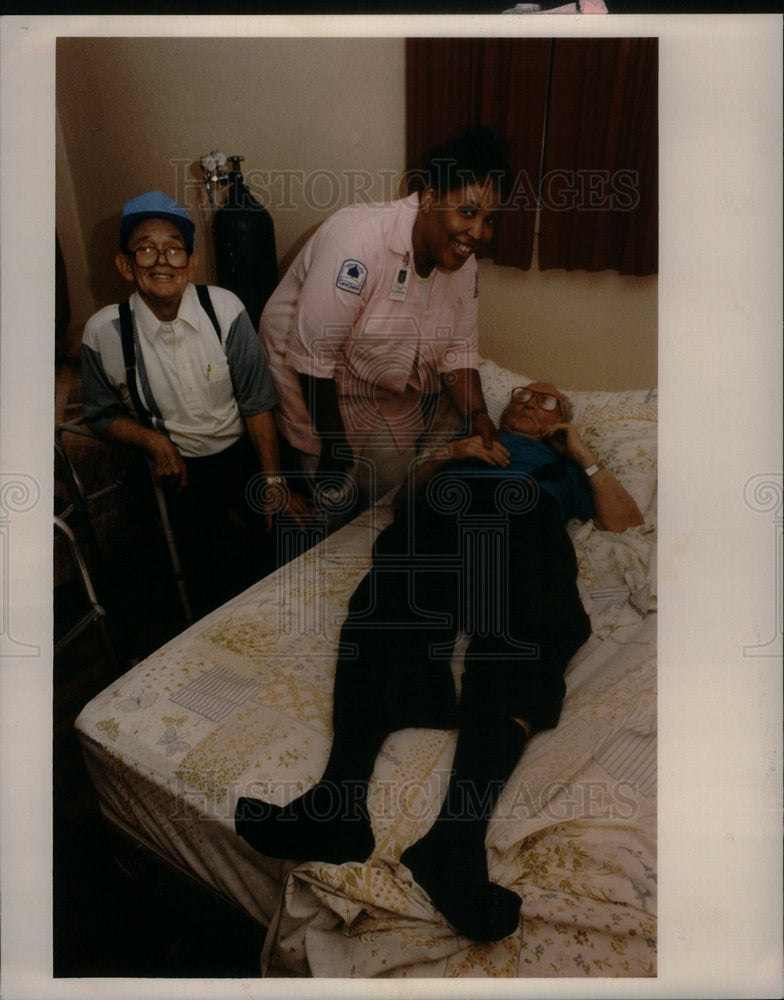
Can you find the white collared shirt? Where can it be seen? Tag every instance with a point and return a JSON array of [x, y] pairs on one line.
[[196, 387], [185, 363]]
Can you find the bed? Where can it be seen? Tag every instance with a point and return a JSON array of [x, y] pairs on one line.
[[240, 703]]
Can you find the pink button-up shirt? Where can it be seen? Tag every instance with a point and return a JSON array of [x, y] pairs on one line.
[[334, 315]]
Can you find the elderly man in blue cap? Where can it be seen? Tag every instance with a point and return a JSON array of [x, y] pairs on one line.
[[178, 373]]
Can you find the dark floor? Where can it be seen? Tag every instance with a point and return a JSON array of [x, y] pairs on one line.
[[105, 924]]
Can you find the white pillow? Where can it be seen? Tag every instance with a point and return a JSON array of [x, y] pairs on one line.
[[497, 385], [628, 447], [498, 382]]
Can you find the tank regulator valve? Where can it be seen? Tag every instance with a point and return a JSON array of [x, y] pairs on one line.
[[213, 166]]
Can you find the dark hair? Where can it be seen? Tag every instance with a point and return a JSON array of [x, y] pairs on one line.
[[472, 157]]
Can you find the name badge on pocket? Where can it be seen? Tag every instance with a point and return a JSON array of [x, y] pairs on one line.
[[400, 281]]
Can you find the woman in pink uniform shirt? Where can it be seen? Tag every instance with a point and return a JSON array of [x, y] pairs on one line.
[[377, 315]]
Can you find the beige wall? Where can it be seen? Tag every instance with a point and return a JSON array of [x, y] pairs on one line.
[[319, 122], [578, 330]]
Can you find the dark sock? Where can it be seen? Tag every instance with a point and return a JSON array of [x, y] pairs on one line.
[[450, 861], [330, 822]]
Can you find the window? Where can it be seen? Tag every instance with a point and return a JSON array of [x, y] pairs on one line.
[[581, 118]]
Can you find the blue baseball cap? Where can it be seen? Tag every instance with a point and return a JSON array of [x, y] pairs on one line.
[[155, 205]]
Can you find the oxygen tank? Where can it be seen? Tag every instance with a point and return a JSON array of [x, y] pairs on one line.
[[245, 257]]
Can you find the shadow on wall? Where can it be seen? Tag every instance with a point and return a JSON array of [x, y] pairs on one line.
[[288, 258], [106, 282]]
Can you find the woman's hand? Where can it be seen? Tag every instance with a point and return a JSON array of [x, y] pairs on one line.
[[474, 447], [462, 449], [483, 426]]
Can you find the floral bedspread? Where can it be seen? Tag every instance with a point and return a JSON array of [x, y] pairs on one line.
[[574, 833], [241, 704]]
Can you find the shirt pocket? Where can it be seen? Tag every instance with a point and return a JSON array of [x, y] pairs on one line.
[[219, 390]]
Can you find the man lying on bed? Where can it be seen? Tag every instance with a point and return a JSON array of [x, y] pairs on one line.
[[479, 545]]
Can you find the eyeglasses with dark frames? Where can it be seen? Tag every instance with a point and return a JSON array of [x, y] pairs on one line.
[[546, 400], [148, 256]]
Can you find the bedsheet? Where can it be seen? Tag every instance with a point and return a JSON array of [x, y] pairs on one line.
[[244, 694], [240, 704], [574, 833]]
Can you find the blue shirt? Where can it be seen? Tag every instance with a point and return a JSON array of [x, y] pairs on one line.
[[563, 481]]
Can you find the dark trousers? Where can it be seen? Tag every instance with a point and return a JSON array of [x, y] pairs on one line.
[[504, 571], [222, 540]]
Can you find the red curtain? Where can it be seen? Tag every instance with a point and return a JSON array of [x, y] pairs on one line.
[[455, 83], [590, 104], [599, 188]]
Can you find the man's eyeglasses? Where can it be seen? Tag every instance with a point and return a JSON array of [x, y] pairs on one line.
[[148, 256], [546, 400]]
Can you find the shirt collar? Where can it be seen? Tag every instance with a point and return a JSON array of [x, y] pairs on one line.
[[148, 323], [400, 239]]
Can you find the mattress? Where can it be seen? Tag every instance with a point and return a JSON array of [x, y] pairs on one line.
[[240, 704], [242, 696]]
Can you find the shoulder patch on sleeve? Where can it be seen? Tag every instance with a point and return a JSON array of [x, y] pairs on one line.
[[352, 276]]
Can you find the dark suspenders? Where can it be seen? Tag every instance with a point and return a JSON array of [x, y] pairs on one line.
[[206, 303], [129, 348]]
